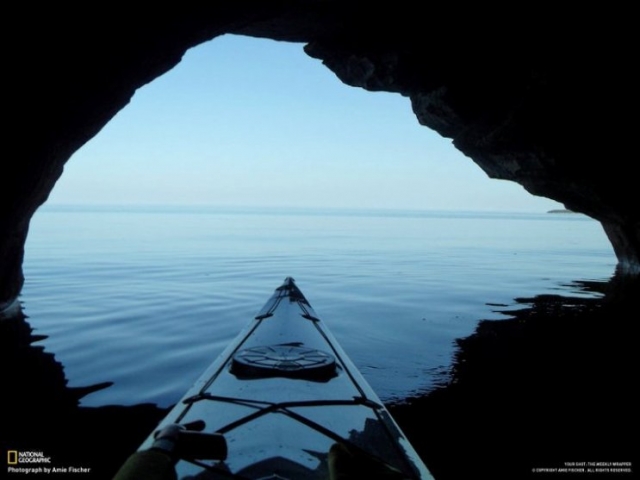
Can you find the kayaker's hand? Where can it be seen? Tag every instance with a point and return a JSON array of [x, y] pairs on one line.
[[171, 443], [156, 463], [188, 441], [166, 439]]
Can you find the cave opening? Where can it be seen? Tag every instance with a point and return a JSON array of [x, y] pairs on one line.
[[257, 123]]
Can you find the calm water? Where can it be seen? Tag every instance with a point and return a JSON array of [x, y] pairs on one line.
[[147, 297]]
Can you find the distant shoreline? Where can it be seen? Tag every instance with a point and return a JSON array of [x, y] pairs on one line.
[[280, 210], [561, 210]]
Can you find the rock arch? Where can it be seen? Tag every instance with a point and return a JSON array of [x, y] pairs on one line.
[[536, 99]]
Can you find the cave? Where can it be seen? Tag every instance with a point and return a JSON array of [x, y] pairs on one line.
[[532, 97]]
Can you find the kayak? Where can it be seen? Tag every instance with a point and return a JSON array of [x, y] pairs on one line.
[[283, 401]]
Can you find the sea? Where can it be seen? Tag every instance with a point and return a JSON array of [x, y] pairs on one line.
[[144, 298]]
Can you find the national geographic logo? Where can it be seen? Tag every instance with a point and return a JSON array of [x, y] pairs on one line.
[[15, 457], [36, 462]]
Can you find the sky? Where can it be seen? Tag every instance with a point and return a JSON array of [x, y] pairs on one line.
[[253, 122]]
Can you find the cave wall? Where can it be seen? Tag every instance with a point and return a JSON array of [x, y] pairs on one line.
[[530, 96]]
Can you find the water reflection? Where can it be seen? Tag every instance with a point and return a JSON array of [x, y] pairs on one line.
[[42, 414], [551, 386]]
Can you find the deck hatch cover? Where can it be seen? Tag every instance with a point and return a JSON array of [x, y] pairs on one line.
[[286, 360]]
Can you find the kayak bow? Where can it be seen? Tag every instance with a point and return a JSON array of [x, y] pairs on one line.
[[290, 404]]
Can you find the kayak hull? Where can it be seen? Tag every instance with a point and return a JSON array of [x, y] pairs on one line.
[[287, 399]]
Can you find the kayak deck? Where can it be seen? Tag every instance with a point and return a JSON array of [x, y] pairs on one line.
[[284, 395]]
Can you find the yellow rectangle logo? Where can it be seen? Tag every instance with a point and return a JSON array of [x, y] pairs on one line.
[[12, 457]]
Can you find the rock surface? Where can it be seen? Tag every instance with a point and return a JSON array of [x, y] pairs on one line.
[[531, 97]]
